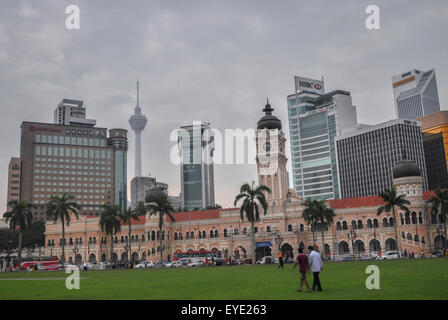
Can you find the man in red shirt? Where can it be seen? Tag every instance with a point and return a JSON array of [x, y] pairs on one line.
[[304, 267]]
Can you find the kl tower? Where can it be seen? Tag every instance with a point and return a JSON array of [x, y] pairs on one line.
[[138, 123]]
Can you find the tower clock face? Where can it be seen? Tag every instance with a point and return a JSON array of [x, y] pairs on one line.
[[267, 146]]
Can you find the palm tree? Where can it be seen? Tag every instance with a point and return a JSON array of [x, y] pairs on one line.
[[160, 205], [127, 216], [392, 201], [60, 207], [311, 215], [110, 223], [326, 219], [439, 206], [19, 216], [253, 200]]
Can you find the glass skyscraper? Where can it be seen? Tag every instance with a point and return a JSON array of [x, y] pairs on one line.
[[314, 121], [197, 179]]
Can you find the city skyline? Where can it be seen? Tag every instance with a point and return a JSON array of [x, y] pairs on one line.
[[187, 75]]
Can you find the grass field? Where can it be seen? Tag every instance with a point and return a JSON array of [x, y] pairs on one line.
[[399, 279]]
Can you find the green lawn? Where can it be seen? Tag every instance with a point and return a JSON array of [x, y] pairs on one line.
[[405, 279]]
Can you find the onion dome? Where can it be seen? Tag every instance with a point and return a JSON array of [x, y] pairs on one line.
[[269, 121], [406, 168], [155, 193]]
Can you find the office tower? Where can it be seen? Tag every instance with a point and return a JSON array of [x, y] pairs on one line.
[[118, 140], [415, 94], [315, 119], [72, 112], [271, 158], [367, 156], [13, 180], [196, 169], [79, 160], [435, 143], [138, 122]]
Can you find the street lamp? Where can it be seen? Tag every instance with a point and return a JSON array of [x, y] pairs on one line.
[[352, 236]]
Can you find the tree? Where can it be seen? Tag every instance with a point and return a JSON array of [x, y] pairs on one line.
[[253, 201], [393, 201], [326, 219], [34, 236], [160, 205], [311, 215], [127, 216], [59, 208], [110, 223], [20, 216], [439, 207]]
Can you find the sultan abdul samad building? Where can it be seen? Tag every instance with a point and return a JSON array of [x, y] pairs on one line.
[[356, 227]]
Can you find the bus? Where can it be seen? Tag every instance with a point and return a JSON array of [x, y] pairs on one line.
[[44, 262], [196, 254]]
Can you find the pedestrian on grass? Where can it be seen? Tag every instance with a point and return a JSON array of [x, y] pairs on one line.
[[280, 261], [304, 267], [315, 262]]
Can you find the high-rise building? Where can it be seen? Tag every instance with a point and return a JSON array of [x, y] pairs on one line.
[[315, 119], [367, 156], [435, 143], [79, 160], [138, 123], [196, 169], [415, 94], [13, 179], [72, 112], [139, 186]]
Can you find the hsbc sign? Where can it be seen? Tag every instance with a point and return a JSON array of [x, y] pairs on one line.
[[308, 84]]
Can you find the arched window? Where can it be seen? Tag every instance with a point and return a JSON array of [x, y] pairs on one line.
[[423, 240], [339, 226], [369, 224], [414, 217], [181, 236], [94, 240], [143, 238], [116, 239], [192, 235], [187, 235], [216, 234], [289, 227], [132, 239], [353, 224], [158, 234], [256, 229], [225, 233], [391, 222], [153, 235], [385, 223], [244, 230], [407, 218], [90, 240], [403, 235], [409, 236], [302, 227], [416, 239], [360, 224], [344, 225], [401, 219], [204, 234], [175, 236], [211, 234], [268, 229], [375, 223], [420, 218], [70, 241]]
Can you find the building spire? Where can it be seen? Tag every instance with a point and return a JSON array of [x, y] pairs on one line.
[[138, 93]]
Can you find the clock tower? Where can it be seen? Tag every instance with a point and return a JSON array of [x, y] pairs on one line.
[[271, 158]]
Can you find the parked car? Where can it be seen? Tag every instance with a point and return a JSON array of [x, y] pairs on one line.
[[245, 261], [149, 264], [177, 264], [185, 261], [196, 263], [141, 265], [265, 260], [437, 253], [389, 255], [169, 264]]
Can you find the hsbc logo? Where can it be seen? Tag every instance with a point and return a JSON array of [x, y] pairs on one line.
[[309, 84], [318, 86]]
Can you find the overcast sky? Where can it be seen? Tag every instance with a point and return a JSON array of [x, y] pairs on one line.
[[214, 61]]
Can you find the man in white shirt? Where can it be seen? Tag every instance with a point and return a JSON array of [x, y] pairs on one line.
[[315, 262]]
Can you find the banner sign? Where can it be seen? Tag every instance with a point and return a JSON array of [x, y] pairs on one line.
[[308, 84], [260, 244]]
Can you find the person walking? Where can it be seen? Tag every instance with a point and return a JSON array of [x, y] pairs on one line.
[[304, 267], [315, 262], [280, 261]]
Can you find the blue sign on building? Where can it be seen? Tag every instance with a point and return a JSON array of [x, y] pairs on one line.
[[260, 244]]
